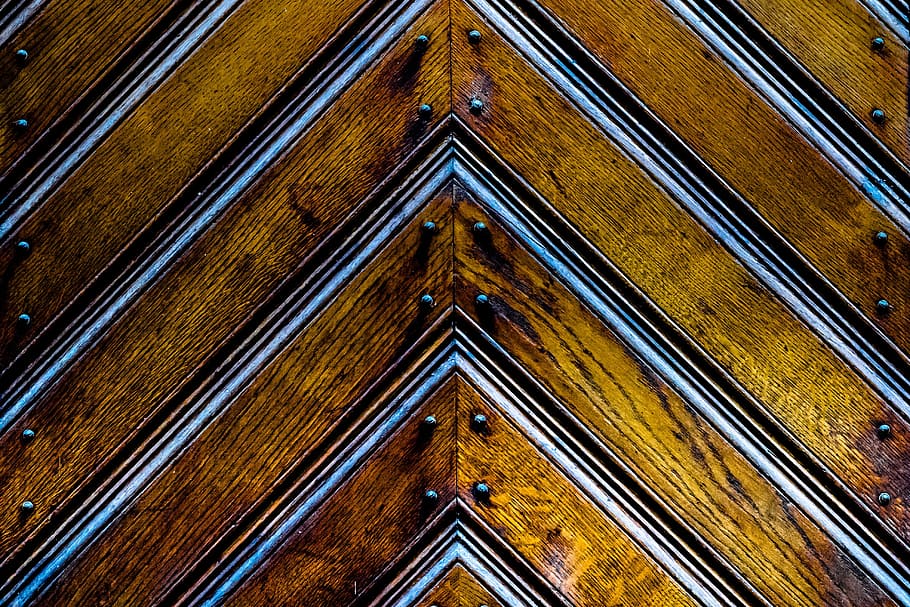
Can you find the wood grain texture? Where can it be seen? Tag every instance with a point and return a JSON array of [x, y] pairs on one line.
[[806, 388], [70, 44], [753, 148], [540, 513], [697, 473], [146, 161], [333, 556], [155, 348], [279, 422], [458, 589], [833, 41]]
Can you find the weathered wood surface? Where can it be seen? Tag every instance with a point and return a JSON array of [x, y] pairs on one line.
[[619, 231]]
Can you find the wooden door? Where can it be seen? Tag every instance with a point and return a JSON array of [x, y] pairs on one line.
[[454, 303]]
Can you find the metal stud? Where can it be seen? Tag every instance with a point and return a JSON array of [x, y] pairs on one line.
[[476, 105], [883, 307], [884, 498], [883, 431], [23, 247], [27, 507], [24, 320], [28, 435], [878, 116], [22, 55], [878, 43], [474, 37], [425, 110], [429, 227], [881, 238], [482, 300], [480, 227], [430, 497], [426, 301], [20, 124], [482, 492], [429, 423], [422, 42], [479, 423]]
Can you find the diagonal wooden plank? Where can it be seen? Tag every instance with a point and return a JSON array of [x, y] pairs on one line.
[[459, 588], [133, 181], [796, 189], [573, 545], [160, 343], [686, 273], [280, 421], [698, 474]]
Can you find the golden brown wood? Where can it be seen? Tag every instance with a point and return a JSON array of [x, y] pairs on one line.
[[147, 160], [280, 421], [651, 429], [539, 512], [157, 346], [459, 589], [811, 392], [753, 148]]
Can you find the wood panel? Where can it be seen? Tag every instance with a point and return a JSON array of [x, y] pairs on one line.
[[703, 478], [795, 188], [682, 269], [459, 589], [157, 346]]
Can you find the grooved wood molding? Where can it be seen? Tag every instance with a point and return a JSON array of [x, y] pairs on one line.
[[454, 303]]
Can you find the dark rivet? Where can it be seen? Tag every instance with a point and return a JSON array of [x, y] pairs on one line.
[[422, 42], [24, 320], [881, 238], [878, 116], [480, 227], [430, 497], [425, 110], [474, 37], [883, 431], [482, 300], [27, 507], [429, 423], [21, 124], [481, 492], [23, 248], [28, 435], [882, 306], [878, 43], [426, 300], [476, 105], [884, 498], [479, 423], [429, 227], [22, 55]]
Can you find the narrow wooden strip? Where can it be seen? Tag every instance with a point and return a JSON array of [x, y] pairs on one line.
[[275, 425], [701, 477], [341, 548], [548, 521], [804, 387], [759, 154], [135, 174], [70, 45], [157, 346]]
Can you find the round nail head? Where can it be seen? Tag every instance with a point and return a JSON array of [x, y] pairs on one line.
[[479, 422], [425, 110], [23, 247], [480, 227], [431, 497], [28, 435], [884, 498], [883, 306], [474, 37], [21, 124], [24, 320], [426, 300], [883, 431], [878, 43], [429, 422], [482, 300], [476, 105], [429, 227], [422, 42], [878, 116], [481, 492], [27, 507], [881, 238], [22, 55]]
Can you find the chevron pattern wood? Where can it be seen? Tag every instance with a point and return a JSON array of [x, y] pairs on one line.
[[454, 303]]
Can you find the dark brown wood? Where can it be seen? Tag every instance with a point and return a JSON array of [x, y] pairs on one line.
[[811, 392]]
